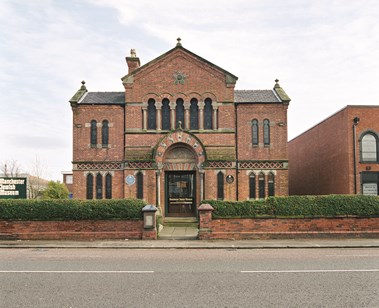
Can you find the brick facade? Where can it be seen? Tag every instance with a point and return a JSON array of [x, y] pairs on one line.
[[147, 143], [322, 158]]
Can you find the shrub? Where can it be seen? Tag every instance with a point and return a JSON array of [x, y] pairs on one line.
[[55, 209], [299, 206]]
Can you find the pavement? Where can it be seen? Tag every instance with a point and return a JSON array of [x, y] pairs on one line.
[[193, 244]]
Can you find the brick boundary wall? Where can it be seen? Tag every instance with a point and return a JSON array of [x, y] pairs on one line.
[[75, 230], [284, 228]]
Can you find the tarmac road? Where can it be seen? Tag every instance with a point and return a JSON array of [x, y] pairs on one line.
[[38, 277]]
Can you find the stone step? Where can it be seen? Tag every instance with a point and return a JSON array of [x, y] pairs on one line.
[[181, 222], [178, 233]]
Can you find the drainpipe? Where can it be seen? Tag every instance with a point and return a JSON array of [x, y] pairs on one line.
[[355, 123], [236, 136]]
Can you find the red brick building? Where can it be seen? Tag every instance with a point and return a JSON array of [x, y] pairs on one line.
[[337, 156], [178, 134]]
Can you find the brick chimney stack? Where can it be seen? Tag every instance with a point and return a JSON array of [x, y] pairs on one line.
[[132, 61]]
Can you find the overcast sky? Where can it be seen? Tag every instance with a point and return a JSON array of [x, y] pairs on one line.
[[325, 54]]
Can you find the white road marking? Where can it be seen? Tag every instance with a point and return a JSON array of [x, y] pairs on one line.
[[316, 271], [80, 272]]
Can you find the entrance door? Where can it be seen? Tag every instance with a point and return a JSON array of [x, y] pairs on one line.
[[180, 193]]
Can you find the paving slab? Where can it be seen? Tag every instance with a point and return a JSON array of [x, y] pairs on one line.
[[196, 244]]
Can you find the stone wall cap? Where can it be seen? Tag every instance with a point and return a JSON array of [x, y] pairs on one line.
[[206, 207]]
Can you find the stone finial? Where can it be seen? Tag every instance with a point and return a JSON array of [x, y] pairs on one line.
[[178, 43], [133, 53], [83, 87], [277, 83]]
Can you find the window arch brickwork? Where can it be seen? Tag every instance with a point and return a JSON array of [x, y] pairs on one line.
[[369, 147]]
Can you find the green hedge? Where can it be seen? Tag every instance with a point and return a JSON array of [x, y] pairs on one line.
[[70, 209], [299, 206]]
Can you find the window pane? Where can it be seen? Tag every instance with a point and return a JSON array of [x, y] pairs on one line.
[[179, 112], [266, 132], [208, 114], [261, 181], [252, 193], [104, 133], [194, 114], [220, 186], [151, 114], [99, 186], [165, 114], [139, 185], [255, 132], [89, 186], [271, 185], [93, 133], [369, 148], [108, 186]]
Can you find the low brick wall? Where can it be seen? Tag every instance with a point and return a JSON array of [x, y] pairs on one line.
[[279, 228], [75, 230]]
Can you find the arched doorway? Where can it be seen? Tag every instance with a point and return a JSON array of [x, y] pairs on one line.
[[179, 164]]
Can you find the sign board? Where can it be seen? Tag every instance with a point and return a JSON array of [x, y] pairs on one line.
[[12, 188], [370, 189]]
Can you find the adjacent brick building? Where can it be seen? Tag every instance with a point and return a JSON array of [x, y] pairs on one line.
[[178, 134], [337, 156]]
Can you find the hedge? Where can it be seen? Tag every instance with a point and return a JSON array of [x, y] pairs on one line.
[[299, 206], [71, 209]]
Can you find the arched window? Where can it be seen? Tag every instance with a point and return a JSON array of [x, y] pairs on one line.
[[166, 114], [266, 132], [99, 186], [255, 131], [261, 187], [194, 114], [271, 184], [252, 186], [105, 133], [93, 133], [140, 185], [208, 114], [151, 114], [90, 186], [369, 148], [220, 186], [108, 186], [179, 112]]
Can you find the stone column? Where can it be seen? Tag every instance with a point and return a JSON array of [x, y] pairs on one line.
[[201, 115], [201, 173], [215, 108], [144, 117], [172, 114], [187, 115], [158, 187], [158, 106]]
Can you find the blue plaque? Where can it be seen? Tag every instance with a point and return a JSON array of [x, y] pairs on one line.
[[130, 179]]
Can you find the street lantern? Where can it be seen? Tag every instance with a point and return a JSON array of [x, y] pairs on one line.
[[149, 216]]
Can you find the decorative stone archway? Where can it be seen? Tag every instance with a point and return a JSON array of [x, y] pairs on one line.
[[179, 155]]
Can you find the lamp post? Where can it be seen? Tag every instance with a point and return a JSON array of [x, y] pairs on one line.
[[355, 123]]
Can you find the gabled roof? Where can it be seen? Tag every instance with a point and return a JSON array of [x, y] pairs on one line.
[[229, 76], [103, 98], [255, 96]]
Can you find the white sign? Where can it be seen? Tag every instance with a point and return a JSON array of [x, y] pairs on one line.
[[370, 189]]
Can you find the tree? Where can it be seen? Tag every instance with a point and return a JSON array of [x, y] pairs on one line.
[[37, 183], [55, 190], [10, 168]]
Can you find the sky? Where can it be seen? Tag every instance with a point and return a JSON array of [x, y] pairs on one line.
[[325, 54]]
